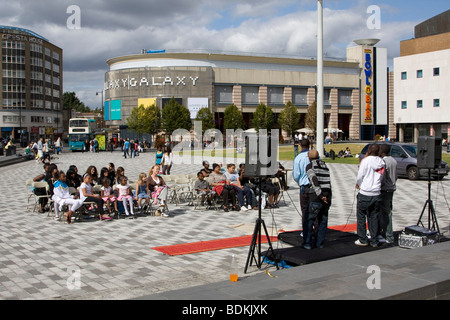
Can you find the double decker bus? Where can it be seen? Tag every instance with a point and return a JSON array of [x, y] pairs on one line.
[[81, 131]]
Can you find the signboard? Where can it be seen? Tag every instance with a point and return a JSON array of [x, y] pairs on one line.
[[147, 102], [116, 109], [195, 104], [368, 87]]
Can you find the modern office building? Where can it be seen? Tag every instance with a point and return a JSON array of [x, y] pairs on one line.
[[421, 81], [216, 80], [31, 85]]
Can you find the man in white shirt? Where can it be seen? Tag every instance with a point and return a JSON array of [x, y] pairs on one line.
[[370, 176]]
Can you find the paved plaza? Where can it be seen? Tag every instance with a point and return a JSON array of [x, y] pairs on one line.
[[45, 259]]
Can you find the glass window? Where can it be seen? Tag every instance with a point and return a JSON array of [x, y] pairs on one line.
[[419, 103], [404, 105], [436, 71], [275, 95], [250, 95], [404, 75], [436, 103], [419, 74], [345, 97], [223, 94], [299, 96], [397, 152]]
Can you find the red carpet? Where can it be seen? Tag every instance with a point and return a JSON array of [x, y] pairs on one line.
[[202, 246]]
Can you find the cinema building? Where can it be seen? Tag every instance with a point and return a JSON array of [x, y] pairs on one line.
[[421, 81], [31, 85], [216, 80]]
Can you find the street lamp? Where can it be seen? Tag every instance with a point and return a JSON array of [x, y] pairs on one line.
[[103, 111], [320, 115]]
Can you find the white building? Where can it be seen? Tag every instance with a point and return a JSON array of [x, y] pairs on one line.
[[422, 82]]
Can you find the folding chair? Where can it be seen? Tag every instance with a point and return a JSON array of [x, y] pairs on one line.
[[42, 185], [277, 182], [30, 193]]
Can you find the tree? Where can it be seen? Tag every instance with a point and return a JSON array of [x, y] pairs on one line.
[[289, 118], [207, 118], [71, 101], [140, 120], [311, 118], [154, 114], [233, 118], [263, 117], [175, 116]]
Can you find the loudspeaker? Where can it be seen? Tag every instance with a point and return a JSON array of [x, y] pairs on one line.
[[261, 153], [429, 152]]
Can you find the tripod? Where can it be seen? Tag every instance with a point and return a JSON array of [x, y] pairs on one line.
[[431, 213], [256, 239]]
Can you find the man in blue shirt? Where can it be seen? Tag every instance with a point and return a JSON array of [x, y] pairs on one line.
[[300, 176]]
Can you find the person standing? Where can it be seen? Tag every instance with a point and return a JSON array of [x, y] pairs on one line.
[[388, 187], [319, 198], [167, 160], [370, 175], [299, 175], [296, 144], [126, 147]]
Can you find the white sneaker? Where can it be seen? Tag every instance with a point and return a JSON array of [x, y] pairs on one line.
[[249, 207], [243, 208], [359, 243]]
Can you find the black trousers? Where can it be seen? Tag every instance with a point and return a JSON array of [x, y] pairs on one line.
[[98, 202], [227, 195]]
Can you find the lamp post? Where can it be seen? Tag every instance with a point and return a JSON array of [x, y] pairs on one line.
[[103, 111], [320, 115]]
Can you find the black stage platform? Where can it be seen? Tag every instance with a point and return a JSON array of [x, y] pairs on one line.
[[337, 244]]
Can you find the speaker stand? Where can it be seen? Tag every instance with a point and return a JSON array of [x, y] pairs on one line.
[[432, 220], [256, 239]]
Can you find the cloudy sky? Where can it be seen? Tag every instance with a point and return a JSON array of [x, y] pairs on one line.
[[112, 28]]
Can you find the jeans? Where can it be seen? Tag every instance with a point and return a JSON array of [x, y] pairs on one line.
[[367, 210], [304, 203], [295, 151], [240, 196], [385, 216], [319, 211]]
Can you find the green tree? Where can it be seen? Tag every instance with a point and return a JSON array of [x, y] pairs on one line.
[[154, 114], [207, 118], [175, 116], [263, 117], [289, 118], [233, 118], [71, 101], [311, 117], [138, 120]]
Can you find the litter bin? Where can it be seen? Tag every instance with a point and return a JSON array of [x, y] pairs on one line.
[[332, 154], [10, 151]]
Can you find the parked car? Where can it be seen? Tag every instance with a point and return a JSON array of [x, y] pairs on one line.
[[406, 156]]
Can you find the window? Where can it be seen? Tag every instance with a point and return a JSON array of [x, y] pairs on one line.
[[436, 72], [436, 103], [345, 98], [404, 104], [419, 73], [275, 96], [419, 103], [223, 94], [299, 96], [397, 152], [404, 75], [250, 95]]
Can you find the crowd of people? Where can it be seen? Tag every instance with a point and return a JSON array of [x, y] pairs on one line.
[[376, 184], [237, 191], [112, 185]]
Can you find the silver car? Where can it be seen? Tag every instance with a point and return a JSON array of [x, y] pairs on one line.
[[406, 156]]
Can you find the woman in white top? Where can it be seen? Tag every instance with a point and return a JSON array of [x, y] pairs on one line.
[[61, 196], [87, 195], [167, 160]]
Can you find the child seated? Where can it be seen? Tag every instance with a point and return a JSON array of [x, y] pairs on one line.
[[203, 189], [107, 194], [142, 191], [125, 195]]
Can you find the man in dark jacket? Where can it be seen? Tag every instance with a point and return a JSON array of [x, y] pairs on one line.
[[319, 198]]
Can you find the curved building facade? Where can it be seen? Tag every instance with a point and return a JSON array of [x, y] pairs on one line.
[[31, 86], [216, 80]]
